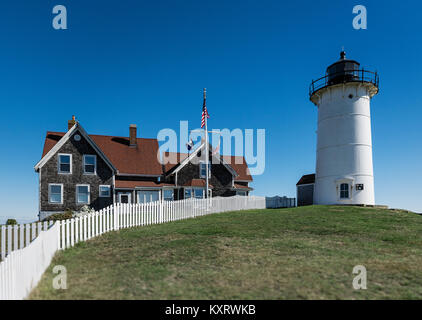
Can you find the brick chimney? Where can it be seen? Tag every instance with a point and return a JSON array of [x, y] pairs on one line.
[[71, 123], [132, 135]]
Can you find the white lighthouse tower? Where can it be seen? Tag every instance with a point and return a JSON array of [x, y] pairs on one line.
[[344, 173]]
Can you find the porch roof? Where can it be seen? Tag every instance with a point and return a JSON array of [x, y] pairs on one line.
[[196, 183], [127, 184], [240, 186]]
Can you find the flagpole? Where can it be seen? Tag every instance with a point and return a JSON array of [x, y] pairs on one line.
[[206, 148]]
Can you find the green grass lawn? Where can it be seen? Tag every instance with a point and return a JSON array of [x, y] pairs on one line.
[[297, 253]]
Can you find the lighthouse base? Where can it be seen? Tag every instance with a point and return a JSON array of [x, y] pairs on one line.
[[349, 190]]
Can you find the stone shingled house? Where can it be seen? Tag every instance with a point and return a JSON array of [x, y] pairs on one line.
[[78, 169]]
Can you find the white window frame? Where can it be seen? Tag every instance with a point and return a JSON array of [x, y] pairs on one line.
[[61, 194], [192, 190], [95, 164], [241, 193], [203, 192], [168, 189], [200, 169], [348, 190], [339, 182], [77, 194], [202, 163], [109, 190], [149, 191], [184, 193], [59, 162]]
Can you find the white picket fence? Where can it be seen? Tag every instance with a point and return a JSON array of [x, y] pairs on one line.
[[24, 262], [17, 237]]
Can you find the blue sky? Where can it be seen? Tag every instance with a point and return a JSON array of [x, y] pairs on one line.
[[146, 62]]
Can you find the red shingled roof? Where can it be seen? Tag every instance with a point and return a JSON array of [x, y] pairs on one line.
[[197, 183], [241, 186], [141, 160], [174, 158], [238, 163]]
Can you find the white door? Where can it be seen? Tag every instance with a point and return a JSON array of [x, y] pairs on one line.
[[148, 196]]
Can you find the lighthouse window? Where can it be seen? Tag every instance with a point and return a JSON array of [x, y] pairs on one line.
[[344, 191]]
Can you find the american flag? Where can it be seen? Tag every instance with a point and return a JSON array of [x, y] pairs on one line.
[[204, 114]]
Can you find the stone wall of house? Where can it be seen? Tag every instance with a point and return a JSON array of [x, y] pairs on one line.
[[49, 174]]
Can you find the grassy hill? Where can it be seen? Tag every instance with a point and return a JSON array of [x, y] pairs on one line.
[[297, 253]]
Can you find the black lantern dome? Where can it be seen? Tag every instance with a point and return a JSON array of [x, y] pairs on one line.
[[343, 71]]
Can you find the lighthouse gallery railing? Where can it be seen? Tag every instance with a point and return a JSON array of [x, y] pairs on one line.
[[343, 77]]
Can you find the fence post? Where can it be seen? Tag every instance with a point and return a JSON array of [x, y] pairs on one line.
[[72, 232], [15, 237], [114, 214], [127, 214], [62, 226], [67, 234], [3, 242], [21, 236], [27, 235], [58, 235]]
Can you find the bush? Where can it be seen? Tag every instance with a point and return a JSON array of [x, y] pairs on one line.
[[11, 222], [83, 211], [60, 216]]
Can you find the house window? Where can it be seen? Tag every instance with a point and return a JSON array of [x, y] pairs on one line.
[[168, 195], [82, 194], [199, 193], [344, 191], [90, 164], [55, 193], [105, 191], [65, 163], [146, 196], [188, 193], [203, 170], [241, 193]]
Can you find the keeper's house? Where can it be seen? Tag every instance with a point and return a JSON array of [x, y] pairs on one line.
[[78, 169]]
